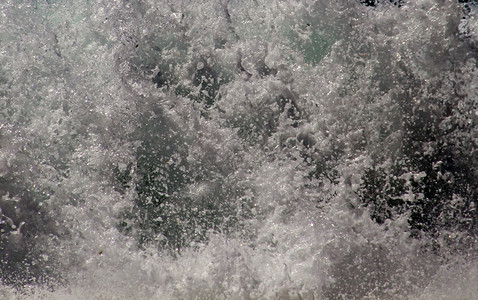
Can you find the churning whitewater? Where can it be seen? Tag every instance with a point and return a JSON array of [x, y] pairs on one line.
[[238, 149]]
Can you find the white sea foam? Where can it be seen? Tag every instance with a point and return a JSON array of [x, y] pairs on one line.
[[253, 122]]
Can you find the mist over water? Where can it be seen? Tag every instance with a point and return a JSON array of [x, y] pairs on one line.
[[233, 149]]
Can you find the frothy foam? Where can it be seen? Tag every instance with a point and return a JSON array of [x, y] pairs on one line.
[[238, 150]]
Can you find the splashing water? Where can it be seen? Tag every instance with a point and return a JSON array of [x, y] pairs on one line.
[[233, 149]]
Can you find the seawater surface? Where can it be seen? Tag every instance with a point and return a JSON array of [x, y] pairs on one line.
[[238, 149]]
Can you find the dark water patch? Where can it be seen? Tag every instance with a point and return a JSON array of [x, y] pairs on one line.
[[25, 225], [167, 212], [398, 3], [433, 180]]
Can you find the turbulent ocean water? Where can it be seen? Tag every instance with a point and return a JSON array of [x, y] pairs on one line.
[[238, 149]]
